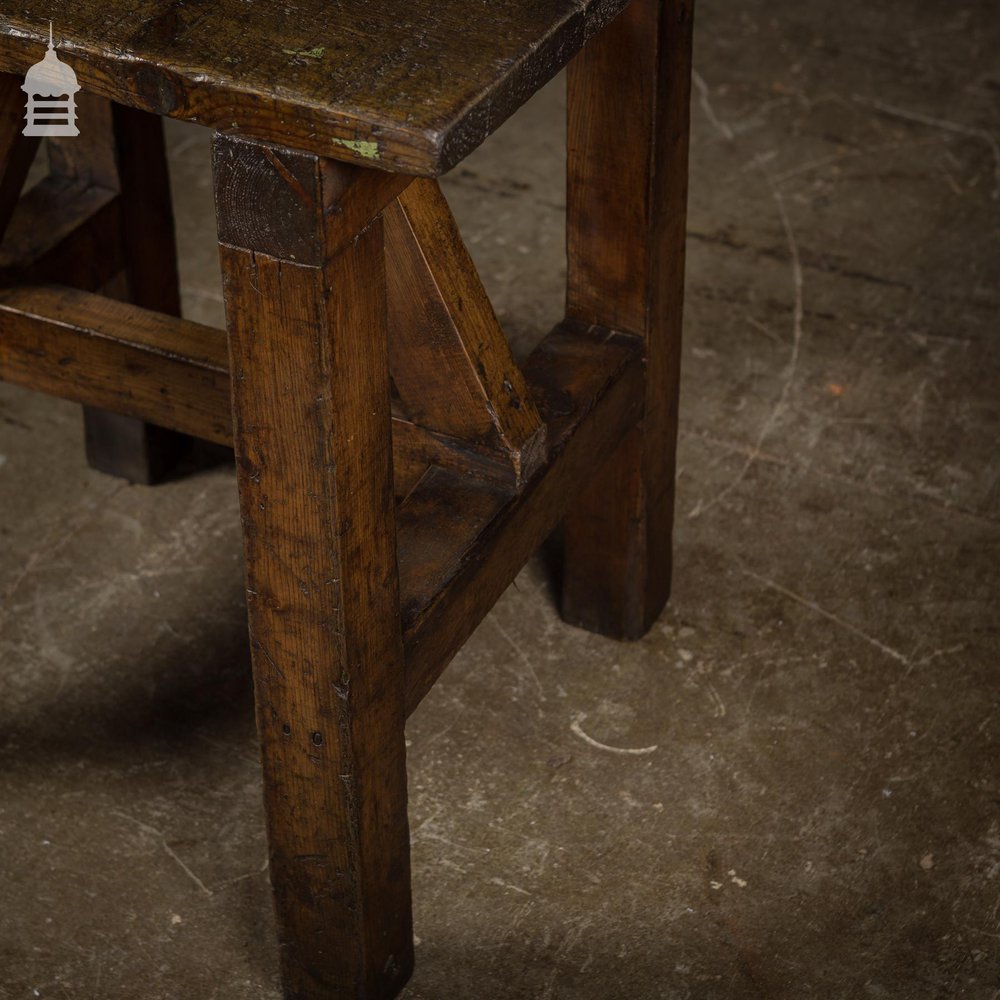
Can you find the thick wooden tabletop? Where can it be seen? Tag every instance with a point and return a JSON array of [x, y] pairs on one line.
[[406, 85]]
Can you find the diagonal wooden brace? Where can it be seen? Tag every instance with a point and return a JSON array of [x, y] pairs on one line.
[[449, 358], [16, 151]]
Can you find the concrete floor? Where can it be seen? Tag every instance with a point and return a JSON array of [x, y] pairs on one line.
[[818, 812]]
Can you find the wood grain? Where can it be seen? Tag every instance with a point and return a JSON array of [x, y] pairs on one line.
[[312, 435], [462, 542], [108, 198], [111, 355], [408, 86], [449, 358], [67, 227], [170, 372], [629, 98]]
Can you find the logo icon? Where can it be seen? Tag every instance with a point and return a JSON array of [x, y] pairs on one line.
[[51, 86]]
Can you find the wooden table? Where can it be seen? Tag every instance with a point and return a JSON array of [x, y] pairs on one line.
[[396, 467]]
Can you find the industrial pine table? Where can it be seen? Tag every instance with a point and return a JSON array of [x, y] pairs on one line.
[[396, 467]]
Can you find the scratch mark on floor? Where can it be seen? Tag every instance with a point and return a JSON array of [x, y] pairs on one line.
[[837, 477], [705, 101], [797, 307], [58, 536], [836, 619], [242, 878], [170, 851], [577, 730], [719, 709], [521, 653], [790, 368], [958, 128], [507, 885]]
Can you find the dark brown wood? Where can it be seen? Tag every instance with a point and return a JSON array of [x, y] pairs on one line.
[[63, 230], [415, 444], [462, 542], [407, 85], [450, 361], [148, 238], [310, 370], [112, 355], [349, 627], [16, 151], [168, 371], [134, 158], [629, 97], [463, 535], [67, 227], [105, 208], [90, 156]]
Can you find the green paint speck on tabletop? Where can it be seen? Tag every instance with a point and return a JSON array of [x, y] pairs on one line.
[[363, 147], [316, 53]]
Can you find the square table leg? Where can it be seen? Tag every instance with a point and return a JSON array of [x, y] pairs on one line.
[[629, 96], [301, 243]]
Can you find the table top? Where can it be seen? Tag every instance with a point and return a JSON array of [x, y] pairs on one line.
[[406, 85]]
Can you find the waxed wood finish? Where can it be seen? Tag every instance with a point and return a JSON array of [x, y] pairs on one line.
[[450, 361], [628, 114], [108, 192], [104, 207], [407, 85], [463, 531], [312, 435], [148, 237], [89, 157]]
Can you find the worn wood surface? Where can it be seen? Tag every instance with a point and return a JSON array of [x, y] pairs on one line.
[[90, 156], [351, 620], [407, 85], [309, 358], [629, 97], [111, 355], [462, 542], [462, 536], [450, 361], [148, 238], [170, 372]]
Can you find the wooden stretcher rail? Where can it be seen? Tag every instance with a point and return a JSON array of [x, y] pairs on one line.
[[461, 541], [462, 537], [116, 356], [168, 371], [175, 373]]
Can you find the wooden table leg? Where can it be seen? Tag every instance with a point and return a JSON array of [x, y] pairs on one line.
[[123, 149], [302, 255], [629, 96]]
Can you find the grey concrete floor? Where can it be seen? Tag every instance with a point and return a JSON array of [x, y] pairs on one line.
[[818, 812]]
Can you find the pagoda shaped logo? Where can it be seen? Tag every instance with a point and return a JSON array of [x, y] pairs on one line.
[[51, 88]]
